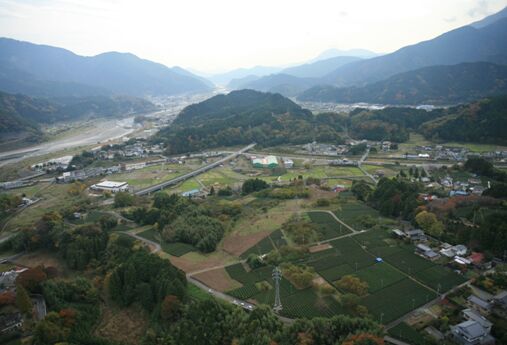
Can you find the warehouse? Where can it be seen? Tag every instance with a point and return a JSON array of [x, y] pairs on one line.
[[265, 162], [110, 186]]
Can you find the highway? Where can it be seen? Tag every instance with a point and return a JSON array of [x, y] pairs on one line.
[[191, 174]]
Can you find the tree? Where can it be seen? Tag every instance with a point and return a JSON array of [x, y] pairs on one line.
[[7, 297], [123, 199], [23, 301], [31, 278], [361, 190], [428, 222], [170, 308], [253, 185], [364, 339], [353, 285]]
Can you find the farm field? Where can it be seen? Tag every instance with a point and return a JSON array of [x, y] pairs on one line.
[[396, 286], [353, 212], [327, 226]]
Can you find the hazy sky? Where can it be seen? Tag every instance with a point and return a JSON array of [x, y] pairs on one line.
[[213, 35]]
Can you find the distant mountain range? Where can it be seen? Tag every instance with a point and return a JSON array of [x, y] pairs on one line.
[[240, 73], [292, 80], [333, 52], [386, 79], [431, 85], [465, 44], [40, 70]]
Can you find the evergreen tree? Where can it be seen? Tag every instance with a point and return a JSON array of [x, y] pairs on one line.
[[23, 301]]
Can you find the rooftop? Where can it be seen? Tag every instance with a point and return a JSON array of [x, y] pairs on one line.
[[110, 184]]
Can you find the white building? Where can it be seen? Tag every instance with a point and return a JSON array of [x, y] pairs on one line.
[[110, 186]]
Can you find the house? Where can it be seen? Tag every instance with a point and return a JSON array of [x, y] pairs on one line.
[[339, 188], [500, 299], [460, 249], [448, 252], [462, 261], [133, 166], [10, 322], [288, 163], [110, 186], [398, 233], [476, 258], [426, 252], [480, 305], [192, 193], [266, 162], [415, 235], [472, 315], [471, 333]]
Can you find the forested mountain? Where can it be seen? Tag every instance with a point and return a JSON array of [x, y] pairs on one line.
[[20, 115], [482, 121], [432, 85], [465, 44], [243, 117], [34, 69]]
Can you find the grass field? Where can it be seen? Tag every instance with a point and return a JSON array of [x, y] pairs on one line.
[[152, 175], [55, 197]]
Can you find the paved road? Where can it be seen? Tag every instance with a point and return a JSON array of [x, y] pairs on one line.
[[191, 174], [154, 245], [39, 304]]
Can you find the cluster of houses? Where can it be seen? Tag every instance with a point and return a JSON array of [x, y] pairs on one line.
[[458, 255], [10, 320], [138, 149], [55, 164], [322, 149], [460, 188], [475, 329], [343, 162]]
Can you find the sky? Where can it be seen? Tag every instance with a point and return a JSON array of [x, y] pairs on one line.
[[219, 35]]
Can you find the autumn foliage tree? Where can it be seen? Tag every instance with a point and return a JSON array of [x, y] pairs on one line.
[[364, 339], [31, 278], [170, 308], [353, 285]]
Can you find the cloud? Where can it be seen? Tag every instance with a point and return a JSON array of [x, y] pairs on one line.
[[479, 10], [450, 19]]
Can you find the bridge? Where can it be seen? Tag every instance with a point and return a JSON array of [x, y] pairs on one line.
[[176, 180]]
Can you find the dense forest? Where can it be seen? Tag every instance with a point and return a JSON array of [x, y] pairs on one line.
[[243, 117], [481, 122]]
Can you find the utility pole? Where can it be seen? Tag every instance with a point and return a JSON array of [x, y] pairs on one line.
[[277, 276]]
